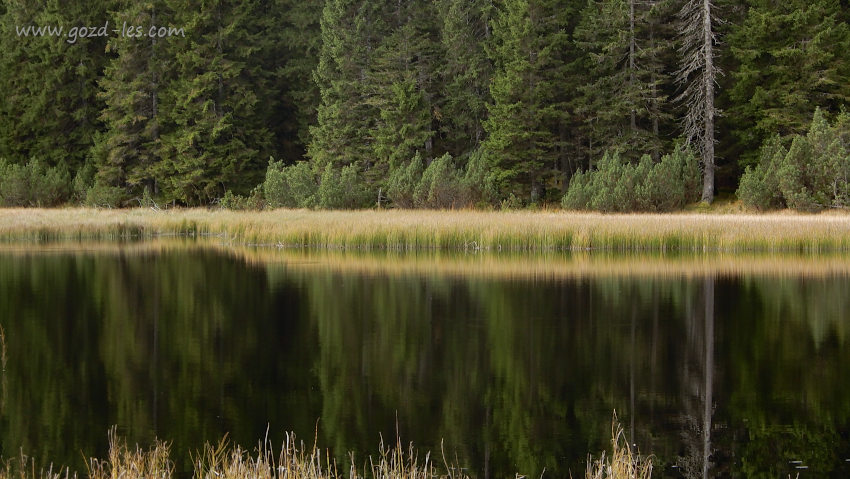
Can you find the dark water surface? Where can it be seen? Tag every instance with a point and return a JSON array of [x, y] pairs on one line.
[[513, 372]]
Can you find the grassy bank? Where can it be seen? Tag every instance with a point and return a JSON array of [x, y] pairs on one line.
[[457, 230]]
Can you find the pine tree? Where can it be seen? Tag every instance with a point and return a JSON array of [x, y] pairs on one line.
[[216, 140], [528, 109], [792, 57]]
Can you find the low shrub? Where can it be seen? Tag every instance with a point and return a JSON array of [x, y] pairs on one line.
[[32, 184], [402, 183], [618, 186], [811, 175], [292, 186], [254, 201], [341, 189], [441, 186], [105, 196]]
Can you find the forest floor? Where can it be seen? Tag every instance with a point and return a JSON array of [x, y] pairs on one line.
[[723, 227]]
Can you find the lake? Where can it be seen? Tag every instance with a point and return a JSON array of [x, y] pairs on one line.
[[719, 365]]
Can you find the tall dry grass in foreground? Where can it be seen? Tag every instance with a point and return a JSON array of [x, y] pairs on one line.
[[294, 460], [623, 463], [459, 230]]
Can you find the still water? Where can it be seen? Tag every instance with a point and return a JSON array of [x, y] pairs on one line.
[[514, 364]]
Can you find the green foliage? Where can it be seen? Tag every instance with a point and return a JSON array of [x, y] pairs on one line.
[[810, 175], [791, 57], [341, 135], [521, 93], [105, 196], [528, 109], [646, 186], [300, 41], [759, 187], [441, 186], [479, 181], [131, 87], [292, 186], [32, 184], [579, 193], [465, 74], [404, 126], [341, 189], [214, 135], [620, 99], [402, 183], [83, 180], [254, 201], [49, 107]]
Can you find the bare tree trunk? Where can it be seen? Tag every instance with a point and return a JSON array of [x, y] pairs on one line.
[[709, 375], [698, 74], [709, 79], [656, 153], [154, 100], [632, 119]]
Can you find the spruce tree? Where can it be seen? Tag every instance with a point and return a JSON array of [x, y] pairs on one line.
[[216, 140], [293, 45], [49, 107], [528, 110], [465, 75], [621, 99], [792, 58], [346, 115], [401, 81], [127, 152]]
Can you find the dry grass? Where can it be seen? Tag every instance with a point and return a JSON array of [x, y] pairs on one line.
[[297, 461], [223, 461], [136, 463], [623, 463], [458, 230], [24, 467]]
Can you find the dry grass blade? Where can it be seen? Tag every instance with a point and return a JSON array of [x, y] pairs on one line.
[[623, 463], [24, 467], [126, 463], [224, 461]]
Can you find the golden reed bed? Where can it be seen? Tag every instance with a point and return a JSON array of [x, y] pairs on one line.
[[456, 230]]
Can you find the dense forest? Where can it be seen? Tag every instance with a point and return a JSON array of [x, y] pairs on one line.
[[590, 104]]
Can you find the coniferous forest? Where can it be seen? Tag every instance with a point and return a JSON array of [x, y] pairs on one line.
[[612, 105]]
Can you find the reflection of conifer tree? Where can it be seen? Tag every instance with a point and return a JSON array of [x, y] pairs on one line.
[[698, 385]]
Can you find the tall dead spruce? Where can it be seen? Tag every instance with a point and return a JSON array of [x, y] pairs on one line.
[[698, 75]]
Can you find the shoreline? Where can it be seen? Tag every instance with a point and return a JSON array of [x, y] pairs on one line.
[[463, 230]]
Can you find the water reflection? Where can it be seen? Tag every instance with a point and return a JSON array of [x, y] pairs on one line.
[[717, 374]]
